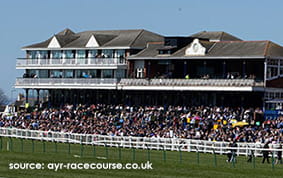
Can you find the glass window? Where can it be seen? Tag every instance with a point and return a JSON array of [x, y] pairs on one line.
[[120, 53], [107, 53], [81, 54], [92, 53], [31, 54], [92, 73], [107, 74], [56, 54], [120, 73], [41, 54], [43, 73], [56, 74], [68, 73], [69, 54]]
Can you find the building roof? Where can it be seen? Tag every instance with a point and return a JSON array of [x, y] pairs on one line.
[[215, 36], [108, 38], [235, 49]]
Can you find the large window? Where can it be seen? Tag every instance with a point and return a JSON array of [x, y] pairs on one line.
[[56, 54], [120, 53], [272, 72], [92, 53], [68, 73], [81, 54], [69, 54], [56, 74], [107, 74], [120, 73], [107, 53], [92, 73]]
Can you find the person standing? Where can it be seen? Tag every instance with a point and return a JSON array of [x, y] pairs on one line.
[[279, 154], [265, 153]]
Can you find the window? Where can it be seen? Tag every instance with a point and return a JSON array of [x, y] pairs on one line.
[[69, 54], [120, 53], [43, 54], [56, 54], [56, 74], [81, 54], [107, 53], [107, 74], [120, 73], [68, 73], [92, 53]]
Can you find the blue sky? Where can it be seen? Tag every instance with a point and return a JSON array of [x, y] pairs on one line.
[[30, 21]]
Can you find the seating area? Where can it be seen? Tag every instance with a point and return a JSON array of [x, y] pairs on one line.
[[190, 82]]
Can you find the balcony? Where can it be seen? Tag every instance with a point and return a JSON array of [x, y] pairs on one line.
[[193, 84], [142, 84], [66, 83], [108, 63]]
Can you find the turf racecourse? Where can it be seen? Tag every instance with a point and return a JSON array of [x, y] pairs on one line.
[[165, 164]]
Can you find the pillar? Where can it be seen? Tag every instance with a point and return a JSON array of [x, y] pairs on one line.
[[244, 69], [27, 95], [37, 96], [185, 68], [148, 69], [224, 69]]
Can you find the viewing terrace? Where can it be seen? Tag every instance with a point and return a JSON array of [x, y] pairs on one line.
[[71, 63], [147, 84]]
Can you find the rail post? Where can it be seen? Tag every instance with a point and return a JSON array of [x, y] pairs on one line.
[[134, 153], [180, 155], [32, 142], [120, 154], [215, 159]]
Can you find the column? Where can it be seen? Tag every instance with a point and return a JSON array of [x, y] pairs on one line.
[[148, 70], [224, 69], [27, 90], [37, 96], [185, 68], [244, 69]]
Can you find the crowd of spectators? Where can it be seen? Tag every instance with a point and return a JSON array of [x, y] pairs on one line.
[[201, 122]]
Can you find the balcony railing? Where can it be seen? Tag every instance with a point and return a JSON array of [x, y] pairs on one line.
[[113, 83], [71, 62], [67, 82], [190, 82]]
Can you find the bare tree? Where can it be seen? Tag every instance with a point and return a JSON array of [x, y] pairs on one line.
[[3, 98]]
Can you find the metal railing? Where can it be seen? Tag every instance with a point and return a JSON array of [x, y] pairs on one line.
[[66, 81], [71, 62], [170, 144], [191, 82]]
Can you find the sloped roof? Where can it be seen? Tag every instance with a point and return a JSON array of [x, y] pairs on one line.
[[236, 49], [215, 36], [108, 38]]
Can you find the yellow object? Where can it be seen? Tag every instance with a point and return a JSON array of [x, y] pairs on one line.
[[215, 126], [26, 105], [240, 124], [188, 120], [224, 122]]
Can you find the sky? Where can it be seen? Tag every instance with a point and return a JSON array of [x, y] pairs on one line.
[[24, 22]]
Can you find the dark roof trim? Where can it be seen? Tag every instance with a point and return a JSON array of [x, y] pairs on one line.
[[197, 57]]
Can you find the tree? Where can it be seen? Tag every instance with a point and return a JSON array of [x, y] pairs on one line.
[[3, 98]]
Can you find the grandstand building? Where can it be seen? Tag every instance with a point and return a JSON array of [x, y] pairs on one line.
[[142, 67]]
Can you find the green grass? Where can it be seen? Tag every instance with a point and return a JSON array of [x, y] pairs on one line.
[[165, 164]]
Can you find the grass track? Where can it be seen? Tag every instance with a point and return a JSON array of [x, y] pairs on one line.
[[168, 164]]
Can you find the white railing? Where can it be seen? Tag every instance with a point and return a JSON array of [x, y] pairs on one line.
[[71, 62], [191, 82], [65, 81], [171, 144]]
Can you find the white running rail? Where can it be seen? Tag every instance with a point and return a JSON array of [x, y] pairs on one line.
[[170, 144]]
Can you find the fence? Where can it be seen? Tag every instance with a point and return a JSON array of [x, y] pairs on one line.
[[165, 144]]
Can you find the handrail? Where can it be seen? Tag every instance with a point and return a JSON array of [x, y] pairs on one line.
[[172, 144], [71, 62]]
